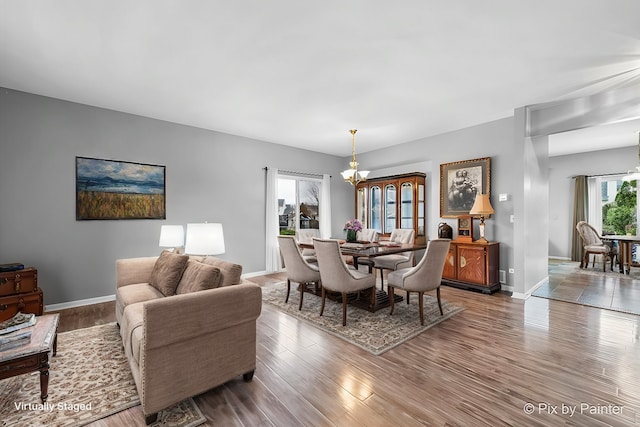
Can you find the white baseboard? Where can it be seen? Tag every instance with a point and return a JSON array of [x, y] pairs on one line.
[[257, 273], [563, 258], [520, 295], [79, 303]]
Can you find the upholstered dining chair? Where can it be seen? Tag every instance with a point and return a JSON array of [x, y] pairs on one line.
[[396, 261], [298, 270], [337, 277], [593, 245], [367, 235], [425, 276], [306, 235]]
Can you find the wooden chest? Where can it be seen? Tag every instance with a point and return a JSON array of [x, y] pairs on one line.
[[18, 282], [26, 303]]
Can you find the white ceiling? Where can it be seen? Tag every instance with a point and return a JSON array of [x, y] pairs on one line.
[[304, 73]]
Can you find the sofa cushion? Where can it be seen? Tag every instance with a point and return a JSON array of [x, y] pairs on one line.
[[198, 277], [167, 272], [138, 292], [132, 330], [230, 273]]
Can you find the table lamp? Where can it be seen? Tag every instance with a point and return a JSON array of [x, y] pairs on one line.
[[482, 207], [204, 239], [172, 236]]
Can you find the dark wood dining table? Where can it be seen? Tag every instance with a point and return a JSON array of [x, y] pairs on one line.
[[358, 250], [624, 255]]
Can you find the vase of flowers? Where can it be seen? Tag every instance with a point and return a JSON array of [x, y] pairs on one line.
[[352, 227]]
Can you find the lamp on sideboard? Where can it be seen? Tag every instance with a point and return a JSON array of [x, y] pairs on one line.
[[482, 207], [204, 239], [172, 236]]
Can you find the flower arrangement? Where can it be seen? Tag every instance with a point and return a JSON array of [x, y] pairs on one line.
[[354, 225]]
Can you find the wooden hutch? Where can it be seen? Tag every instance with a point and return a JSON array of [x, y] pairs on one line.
[[391, 202]]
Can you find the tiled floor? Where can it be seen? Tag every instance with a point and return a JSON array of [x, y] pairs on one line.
[[610, 290]]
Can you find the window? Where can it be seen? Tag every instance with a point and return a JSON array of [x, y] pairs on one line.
[[298, 203], [619, 206]]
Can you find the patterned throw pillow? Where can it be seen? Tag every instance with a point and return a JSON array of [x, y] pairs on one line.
[[167, 272], [198, 277]]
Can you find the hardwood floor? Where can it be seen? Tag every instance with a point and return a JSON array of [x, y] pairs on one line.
[[501, 361]]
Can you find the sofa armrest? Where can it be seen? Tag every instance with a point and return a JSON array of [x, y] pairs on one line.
[[183, 317], [134, 270]]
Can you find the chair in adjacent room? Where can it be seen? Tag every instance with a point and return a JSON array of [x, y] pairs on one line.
[[336, 276], [396, 261], [298, 270], [425, 276], [593, 245]]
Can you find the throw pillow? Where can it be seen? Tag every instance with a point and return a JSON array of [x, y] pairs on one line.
[[198, 277], [167, 272], [230, 273]]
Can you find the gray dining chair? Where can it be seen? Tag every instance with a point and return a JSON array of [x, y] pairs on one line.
[[298, 269], [336, 276], [396, 261], [425, 276]]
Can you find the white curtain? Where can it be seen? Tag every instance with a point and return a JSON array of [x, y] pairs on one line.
[[325, 207], [272, 262], [594, 210]]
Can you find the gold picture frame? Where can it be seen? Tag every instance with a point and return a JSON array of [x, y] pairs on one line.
[[459, 184]]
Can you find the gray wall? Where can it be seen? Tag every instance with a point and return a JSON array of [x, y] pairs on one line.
[[561, 188], [211, 176]]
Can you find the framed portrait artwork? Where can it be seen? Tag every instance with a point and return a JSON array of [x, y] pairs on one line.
[[114, 189], [459, 184]]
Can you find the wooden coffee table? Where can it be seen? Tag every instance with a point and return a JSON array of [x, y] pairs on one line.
[[35, 355]]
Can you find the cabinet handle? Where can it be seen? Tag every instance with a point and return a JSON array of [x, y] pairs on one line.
[[3, 280], [3, 307]]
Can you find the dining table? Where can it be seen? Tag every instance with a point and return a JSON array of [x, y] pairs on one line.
[[625, 242]]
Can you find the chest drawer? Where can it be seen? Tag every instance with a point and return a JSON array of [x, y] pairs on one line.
[[25, 303], [19, 281]]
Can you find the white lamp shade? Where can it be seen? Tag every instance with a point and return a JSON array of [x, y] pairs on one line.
[[171, 236], [204, 239]]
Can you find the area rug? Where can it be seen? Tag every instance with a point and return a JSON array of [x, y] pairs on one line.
[[89, 379], [374, 332]]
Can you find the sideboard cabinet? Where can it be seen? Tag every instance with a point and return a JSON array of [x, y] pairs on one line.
[[473, 265], [391, 202]]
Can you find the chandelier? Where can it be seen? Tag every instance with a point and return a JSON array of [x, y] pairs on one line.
[[634, 176], [352, 175]]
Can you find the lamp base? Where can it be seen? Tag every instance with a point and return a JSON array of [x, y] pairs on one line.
[[481, 240]]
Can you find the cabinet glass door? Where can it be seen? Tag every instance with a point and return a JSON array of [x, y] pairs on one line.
[[376, 208], [361, 206], [420, 210], [389, 208], [406, 205]]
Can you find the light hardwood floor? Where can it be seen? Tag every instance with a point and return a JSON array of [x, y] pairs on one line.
[[501, 361]]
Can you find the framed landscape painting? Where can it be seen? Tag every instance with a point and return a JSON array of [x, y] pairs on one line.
[[113, 189], [459, 184]]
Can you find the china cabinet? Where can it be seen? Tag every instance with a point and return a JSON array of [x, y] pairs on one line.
[[391, 202]]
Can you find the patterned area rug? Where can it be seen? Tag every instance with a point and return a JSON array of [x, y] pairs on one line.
[[375, 332], [89, 379]]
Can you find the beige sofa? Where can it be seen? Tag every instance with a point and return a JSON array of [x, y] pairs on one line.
[[182, 344]]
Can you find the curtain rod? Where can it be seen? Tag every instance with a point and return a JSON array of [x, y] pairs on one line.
[[604, 174], [317, 175]]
